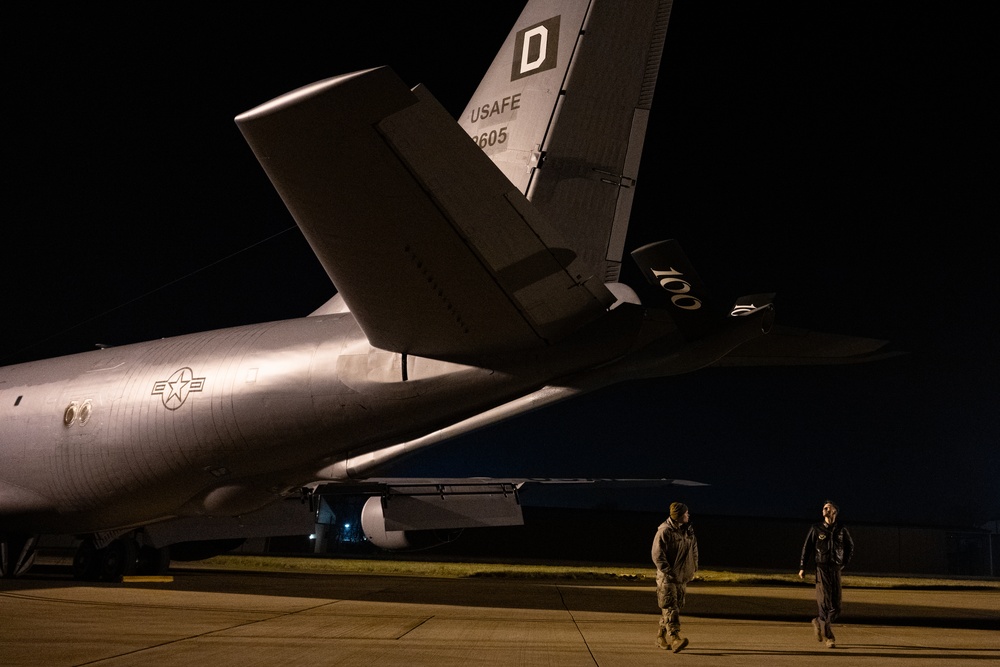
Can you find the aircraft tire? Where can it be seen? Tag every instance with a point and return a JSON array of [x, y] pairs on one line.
[[86, 561], [118, 559]]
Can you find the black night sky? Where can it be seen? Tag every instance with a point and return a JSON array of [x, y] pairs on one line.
[[841, 155]]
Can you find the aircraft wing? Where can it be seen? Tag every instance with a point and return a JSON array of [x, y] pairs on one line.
[[416, 485], [433, 250], [398, 505]]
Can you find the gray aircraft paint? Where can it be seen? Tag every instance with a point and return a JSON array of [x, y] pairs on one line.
[[465, 297]]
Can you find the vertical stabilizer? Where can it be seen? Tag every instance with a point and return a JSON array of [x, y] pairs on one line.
[[563, 111], [512, 109]]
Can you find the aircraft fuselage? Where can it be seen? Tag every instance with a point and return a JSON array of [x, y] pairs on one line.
[[115, 437]]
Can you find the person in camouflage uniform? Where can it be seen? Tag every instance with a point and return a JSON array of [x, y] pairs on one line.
[[675, 554]]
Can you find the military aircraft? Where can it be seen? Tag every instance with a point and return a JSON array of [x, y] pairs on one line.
[[476, 266]]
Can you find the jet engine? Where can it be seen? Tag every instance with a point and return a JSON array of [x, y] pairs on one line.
[[423, 517]]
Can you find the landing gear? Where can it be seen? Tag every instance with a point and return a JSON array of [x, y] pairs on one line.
[[122, 557], [17, 553], [104, 564]]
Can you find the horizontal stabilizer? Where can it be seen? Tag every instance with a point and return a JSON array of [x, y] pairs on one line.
[[433, 250], [788, 346], [751, 303]]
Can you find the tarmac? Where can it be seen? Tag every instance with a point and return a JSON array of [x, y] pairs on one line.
[[239, 618]]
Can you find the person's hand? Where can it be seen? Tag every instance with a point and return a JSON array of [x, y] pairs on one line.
[[802, 574]]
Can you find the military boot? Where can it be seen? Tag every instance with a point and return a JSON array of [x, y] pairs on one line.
[[661, 639], [677, 643]]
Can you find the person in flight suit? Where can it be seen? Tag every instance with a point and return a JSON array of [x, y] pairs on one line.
[[831, 546]]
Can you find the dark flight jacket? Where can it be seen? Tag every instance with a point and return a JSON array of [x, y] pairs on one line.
[[831, 546]]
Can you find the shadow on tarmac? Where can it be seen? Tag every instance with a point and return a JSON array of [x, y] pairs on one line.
[[631, 597]]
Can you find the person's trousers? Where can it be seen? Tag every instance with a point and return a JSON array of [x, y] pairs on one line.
[[828, 597], [670, 598]]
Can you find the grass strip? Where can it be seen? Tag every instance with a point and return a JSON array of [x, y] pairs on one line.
[[455, 569]]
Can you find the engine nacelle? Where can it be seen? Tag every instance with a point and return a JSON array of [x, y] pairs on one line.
[[373, 524], [422, 515]]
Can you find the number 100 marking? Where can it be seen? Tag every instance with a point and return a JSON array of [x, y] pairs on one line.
[[679, 288]]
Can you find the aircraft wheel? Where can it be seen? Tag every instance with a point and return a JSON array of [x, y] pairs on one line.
[[118, 559], [86, 561]]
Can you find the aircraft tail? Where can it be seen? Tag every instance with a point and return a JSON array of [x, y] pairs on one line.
[[563, 112], [433, 251]]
